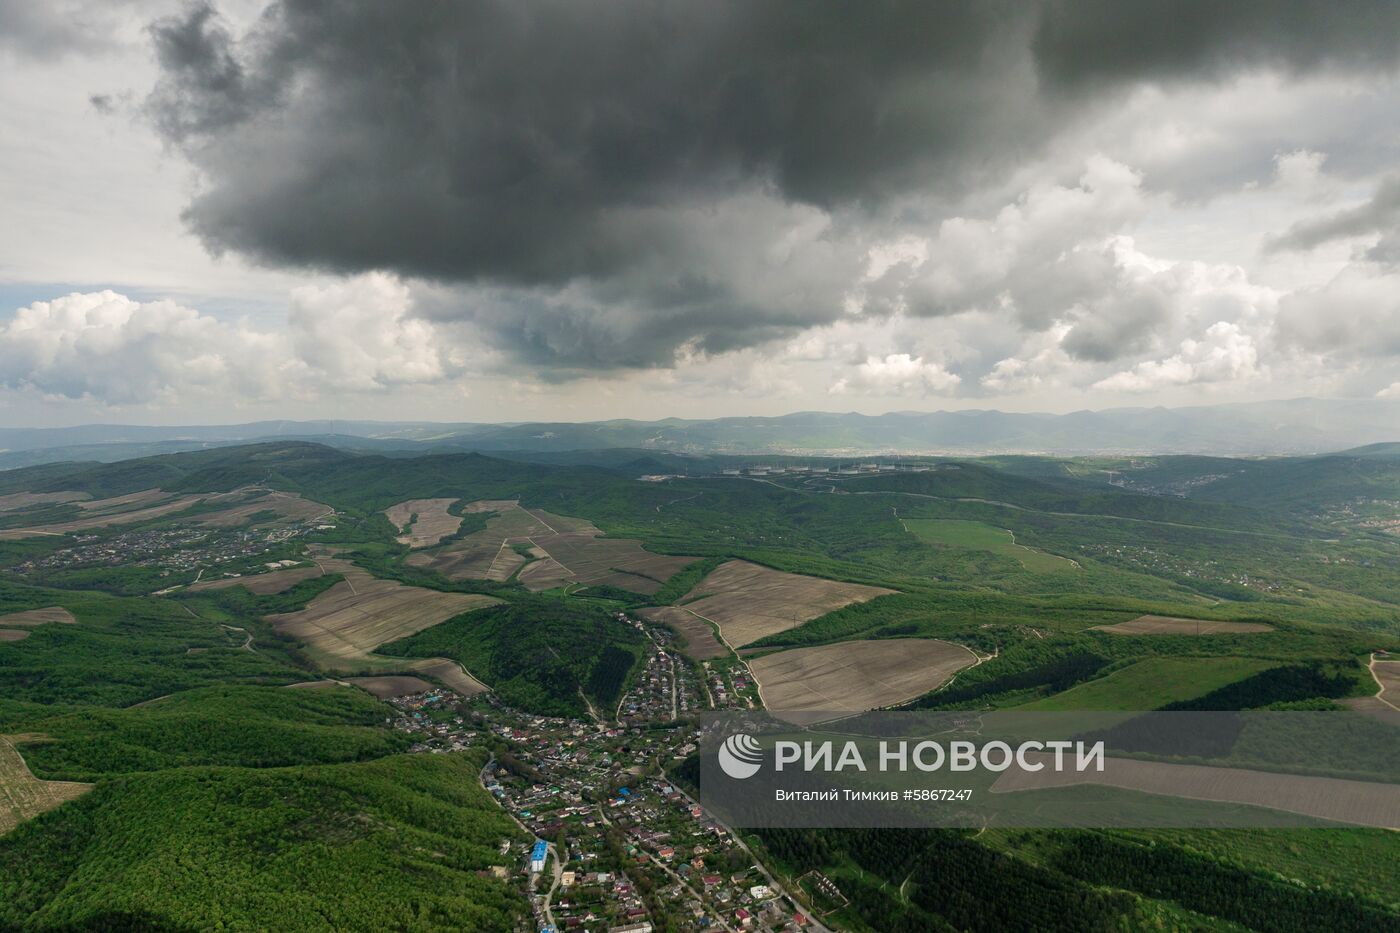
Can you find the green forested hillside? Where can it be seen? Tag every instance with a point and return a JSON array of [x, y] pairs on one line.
[[543, 655], [250, 726], [398, 843]]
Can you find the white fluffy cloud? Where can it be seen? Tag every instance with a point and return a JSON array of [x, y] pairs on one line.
[[1036, 258], [1225, 354], [357, 335], [897, 374], [106, 346], [360, 334]]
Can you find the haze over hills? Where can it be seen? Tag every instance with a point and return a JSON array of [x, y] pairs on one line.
[[1292, 427]]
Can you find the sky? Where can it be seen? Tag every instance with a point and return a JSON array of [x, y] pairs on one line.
[[577, 210]]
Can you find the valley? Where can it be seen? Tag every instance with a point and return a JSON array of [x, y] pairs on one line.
[[510, 646]]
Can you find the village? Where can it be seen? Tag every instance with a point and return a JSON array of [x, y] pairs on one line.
[[617, 845], [177, 548]]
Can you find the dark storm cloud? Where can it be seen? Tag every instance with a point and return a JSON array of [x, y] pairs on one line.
[[48, 29], [205, 89], [561, 165], [501, 140], [1379, 215], [1079, 42]]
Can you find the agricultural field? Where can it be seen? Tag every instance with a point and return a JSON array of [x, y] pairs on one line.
[[102, 513], [548, 551], [15, 626], [749, 601], [979, 536], [487, 554], [1360, 803], [262, 507], [245, 505], [1151, 683], [450, 674], [1385, 703], [1166, 625], [390, 686], [27, 617], [344, 625], [22, 795], [262, 584], [697, 635], [383, 687], [807, 685], [423, 522], [26, 500]]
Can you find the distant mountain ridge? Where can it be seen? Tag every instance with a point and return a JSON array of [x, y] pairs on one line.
[[1292, 427]]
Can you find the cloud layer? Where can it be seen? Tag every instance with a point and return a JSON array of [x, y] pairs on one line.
[[603, 186], [1066, 203]]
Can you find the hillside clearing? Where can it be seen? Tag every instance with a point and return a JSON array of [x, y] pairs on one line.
[[22, 795], [807, 685], [748, 601], [979, 536], [1152, 683], [38, 617]]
